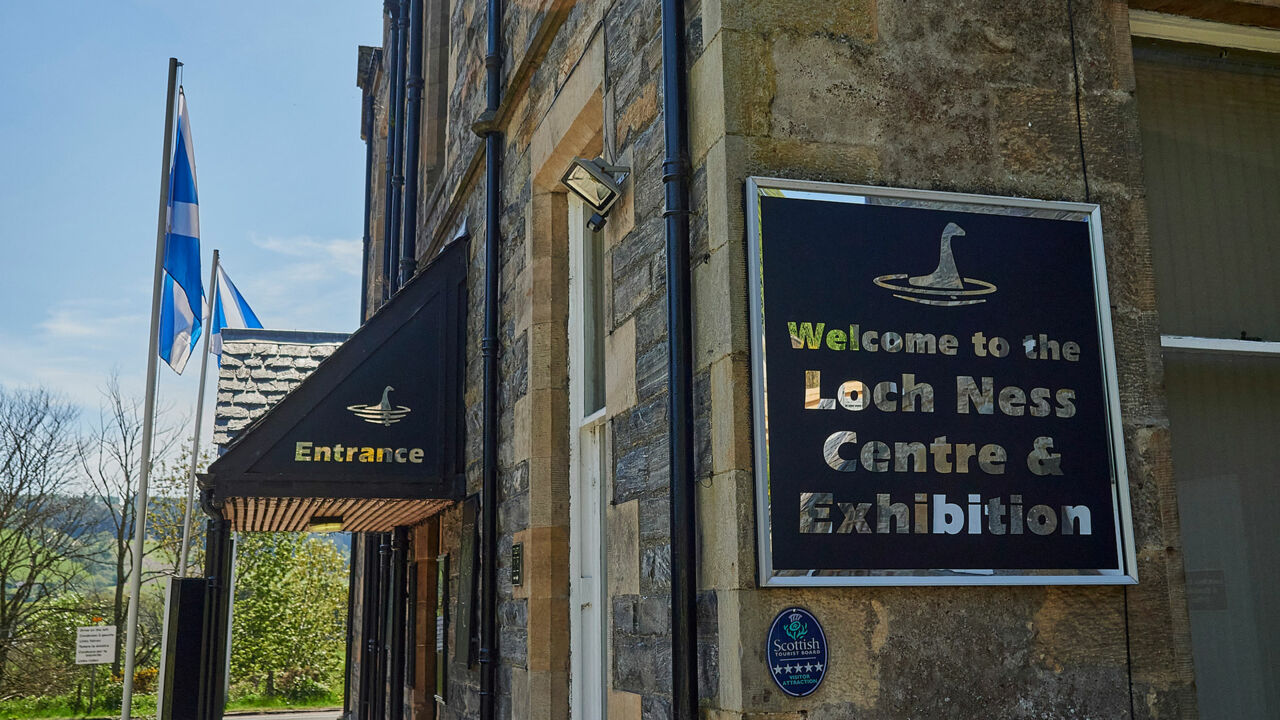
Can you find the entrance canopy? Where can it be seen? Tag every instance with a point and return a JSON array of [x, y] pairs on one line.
[[372, 438]]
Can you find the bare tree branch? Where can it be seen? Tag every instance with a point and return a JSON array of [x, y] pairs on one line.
[[42, 518], [111, 459]]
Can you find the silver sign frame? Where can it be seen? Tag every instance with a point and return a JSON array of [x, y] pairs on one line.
[[1125, 571]]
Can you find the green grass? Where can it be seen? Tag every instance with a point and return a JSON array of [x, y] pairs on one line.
[[61, 707], [263, 702]]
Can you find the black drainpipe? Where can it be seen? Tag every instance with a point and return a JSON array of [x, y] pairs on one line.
[[384, 592], [392, 8], [217, 569], [397, 180], [395, 617], [487, 126], [675, 175], [368, 206], [369, 625], [413, 87]]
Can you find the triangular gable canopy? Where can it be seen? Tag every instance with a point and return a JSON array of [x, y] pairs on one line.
[[375, 434]]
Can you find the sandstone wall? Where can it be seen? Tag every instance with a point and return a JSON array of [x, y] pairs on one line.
[[973, 97]]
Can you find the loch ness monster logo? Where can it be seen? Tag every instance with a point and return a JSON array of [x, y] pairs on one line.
[[943, 286], [384, 413]]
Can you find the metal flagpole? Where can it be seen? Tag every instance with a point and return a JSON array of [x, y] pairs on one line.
[[191, 478], [195, 441], [148, 417]]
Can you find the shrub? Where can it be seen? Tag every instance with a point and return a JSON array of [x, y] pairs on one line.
[[144, 680], [301, 688]]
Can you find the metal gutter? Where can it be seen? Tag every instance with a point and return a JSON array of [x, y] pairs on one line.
[[396, 188], [368, 204], [392, 8], [396, 620], [488, 128], [675, 176], [413, 130]]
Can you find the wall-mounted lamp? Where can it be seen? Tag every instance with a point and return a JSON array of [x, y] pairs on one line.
[[598, 184], [323, 523]]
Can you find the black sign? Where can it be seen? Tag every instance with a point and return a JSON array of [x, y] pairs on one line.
[[381, 417], [796, 652], [937, 397]]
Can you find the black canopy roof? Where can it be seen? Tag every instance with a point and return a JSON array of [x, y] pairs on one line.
[[380, 418]]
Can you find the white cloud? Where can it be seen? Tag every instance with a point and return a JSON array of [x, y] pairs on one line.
[[75, 372], [306, 283], [89, 319], [303, 283], [74, 348], [339, 255]]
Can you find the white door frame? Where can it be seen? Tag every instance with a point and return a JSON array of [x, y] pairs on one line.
[[588, 637]]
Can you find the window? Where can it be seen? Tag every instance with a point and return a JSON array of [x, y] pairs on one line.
[[587, 590], [1210, 119]]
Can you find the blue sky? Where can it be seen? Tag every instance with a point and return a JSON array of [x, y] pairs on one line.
[[275, 117]]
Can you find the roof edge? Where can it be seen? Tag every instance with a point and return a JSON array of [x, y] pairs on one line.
[[293, 337]]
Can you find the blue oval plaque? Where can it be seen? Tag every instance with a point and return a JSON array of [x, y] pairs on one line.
[[796, 652]]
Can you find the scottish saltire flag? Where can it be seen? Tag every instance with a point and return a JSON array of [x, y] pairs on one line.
[[229, 310], [180, 310]]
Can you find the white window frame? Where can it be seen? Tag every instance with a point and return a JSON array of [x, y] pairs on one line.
[[588, 594], [1176, 28]]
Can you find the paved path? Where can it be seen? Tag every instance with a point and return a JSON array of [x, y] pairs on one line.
[[309, 715]]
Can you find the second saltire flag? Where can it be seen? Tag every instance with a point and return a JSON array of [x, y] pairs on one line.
[[229, 311]]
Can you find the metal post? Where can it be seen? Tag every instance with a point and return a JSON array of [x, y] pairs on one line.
[[148, 417], [195, 440], [231, 614]]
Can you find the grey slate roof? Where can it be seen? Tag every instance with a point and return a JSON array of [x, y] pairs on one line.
[[260, 367]]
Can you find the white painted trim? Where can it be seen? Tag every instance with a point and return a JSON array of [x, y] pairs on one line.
[[1191, 344], [1146, 23], [588, 651], [594, 419]]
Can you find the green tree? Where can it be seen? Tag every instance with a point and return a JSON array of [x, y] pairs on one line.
[[290, 613], [167, 508]]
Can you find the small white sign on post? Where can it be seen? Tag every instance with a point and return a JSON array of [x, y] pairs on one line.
[[95, 644]]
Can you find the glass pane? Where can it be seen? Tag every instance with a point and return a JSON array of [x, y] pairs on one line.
[[1211, 157], [592, 319], [1225, 421]]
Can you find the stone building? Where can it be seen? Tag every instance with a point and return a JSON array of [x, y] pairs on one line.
[[1161, 112]]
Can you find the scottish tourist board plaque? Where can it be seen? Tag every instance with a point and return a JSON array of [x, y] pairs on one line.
[[796, 652], [934, 389]]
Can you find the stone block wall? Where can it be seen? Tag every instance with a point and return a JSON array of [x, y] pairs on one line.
[[258, 368], [565, 63], [958, 95], [976, 97]]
